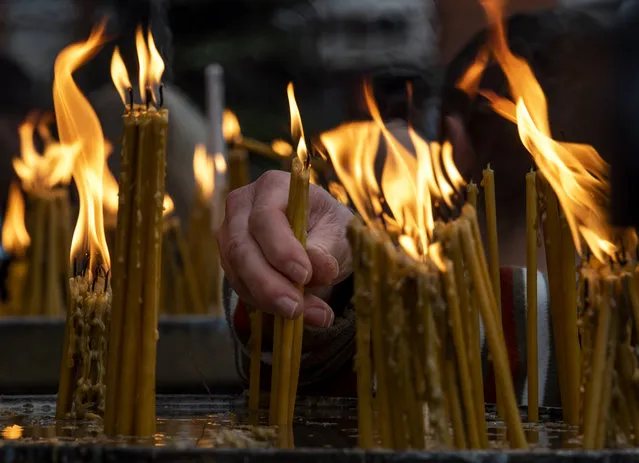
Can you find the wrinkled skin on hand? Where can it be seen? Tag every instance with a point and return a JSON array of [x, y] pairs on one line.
[[263, 260]]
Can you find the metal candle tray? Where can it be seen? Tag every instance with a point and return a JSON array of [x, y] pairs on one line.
[[324, 431], [194, 352]]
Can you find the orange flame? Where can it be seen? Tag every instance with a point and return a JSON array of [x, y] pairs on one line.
[[220, 163], [437, 257], [78, 124], [15, 237], [352, 148], [469, 82], [204, 170], [150, 64], [576, 172], [119, 75], [282, 148], [409, 184], [230, 125], [110, 189], [168, 205], [40, 173], [12, 432], [297, 131], [338, 192]]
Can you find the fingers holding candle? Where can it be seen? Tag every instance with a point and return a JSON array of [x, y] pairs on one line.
[[263, 259]]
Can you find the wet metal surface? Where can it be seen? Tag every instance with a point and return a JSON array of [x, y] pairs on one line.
[[205, 428]]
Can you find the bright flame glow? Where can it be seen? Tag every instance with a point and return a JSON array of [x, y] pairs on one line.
[[297, 131], [40, 173], [409, 183], [150, 68], [119, 75], [204, 170], [469, 82], [230, 125], [338, 192], [353, 149], [156, 64], [78, 124], [444, 187], [576, 172], [220, 163], [12, 432], [15, 238], [456, 180], [110, 189], [168, 205], [436, 256], [143, 61], [282, 148]]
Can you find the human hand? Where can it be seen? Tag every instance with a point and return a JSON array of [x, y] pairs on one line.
[[263, 260]]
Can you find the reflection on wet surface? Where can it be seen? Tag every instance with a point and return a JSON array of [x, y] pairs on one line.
[[206, 422]]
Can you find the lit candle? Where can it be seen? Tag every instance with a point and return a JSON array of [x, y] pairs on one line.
[[130, 402], [531, 297], [238, 160], [15, 241], [81, 388], [45, 178], [286, 362]]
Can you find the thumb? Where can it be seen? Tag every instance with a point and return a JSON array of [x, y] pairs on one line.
[[330, 257], [325, 265]]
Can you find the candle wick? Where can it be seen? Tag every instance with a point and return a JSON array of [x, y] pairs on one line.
[[130, 90], [307, 161], [149, 96], [106, 279], [161, 92]]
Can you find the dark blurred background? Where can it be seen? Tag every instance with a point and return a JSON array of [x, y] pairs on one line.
[[325, 47]]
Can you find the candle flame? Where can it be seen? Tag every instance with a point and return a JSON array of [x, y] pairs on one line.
[[230, 125], [204, 170], [297, 131], [168, 205], [282, 148], [155, 64], [110, 189], [576, 172], [150, 68], [436, 256], [469, 82], [338, 192], [39, 173], [456, 179], [15, 237], [78, 124], [12, 432], [409, 185], [220, 163], [119, 75]]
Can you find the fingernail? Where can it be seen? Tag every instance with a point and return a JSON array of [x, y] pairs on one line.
[[287, 305], [319, 316], [297, 273]]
